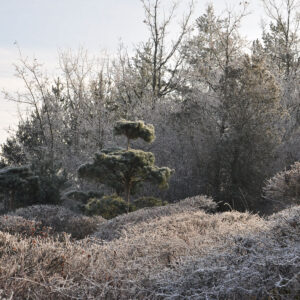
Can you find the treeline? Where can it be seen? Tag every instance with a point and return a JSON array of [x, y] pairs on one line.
[[226, 111]]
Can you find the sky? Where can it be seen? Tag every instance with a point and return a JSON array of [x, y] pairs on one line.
[[42, 27]]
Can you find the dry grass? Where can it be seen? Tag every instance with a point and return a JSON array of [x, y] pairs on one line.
[[186, 254]]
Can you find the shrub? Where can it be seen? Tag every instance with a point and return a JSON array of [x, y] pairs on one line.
[[285, 225], [81, 226], [82, 196], [61, 219], [148, 202], [199, 202], [19, 225], [284, 188], [112, 229], [183, 255], [76, 200], [108, 206], [19, 186]]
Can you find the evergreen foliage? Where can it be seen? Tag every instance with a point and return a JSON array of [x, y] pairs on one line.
[[12, 152], [19, 185], [126, 170], [134, 130], [52, 181], [27, 148], [23, 186], [108, 206], [83, 196], [250, 115]]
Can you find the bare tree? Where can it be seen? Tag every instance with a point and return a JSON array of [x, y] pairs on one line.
[[285, 18], [68, 114], [36, 95], [163, 61]]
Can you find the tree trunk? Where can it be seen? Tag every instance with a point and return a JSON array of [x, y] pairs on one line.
[[11, 200], [127, 144], [127, 195]]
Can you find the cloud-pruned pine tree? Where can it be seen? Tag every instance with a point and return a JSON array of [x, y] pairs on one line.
[[127, 169]]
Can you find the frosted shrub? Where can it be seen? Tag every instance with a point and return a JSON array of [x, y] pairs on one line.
[[44, 212], [285, 225], [148, 202], [186, 254], [284, 187], [60, 219], [199, 202], [19, 225], [112, 229]]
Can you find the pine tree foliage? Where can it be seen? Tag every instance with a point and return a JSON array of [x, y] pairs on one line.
[[134, 130], [108, 206], [116, 168], [19, 184], [251, 113], [126, 170]]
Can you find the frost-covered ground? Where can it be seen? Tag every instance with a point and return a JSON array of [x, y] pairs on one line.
[[172, 252]]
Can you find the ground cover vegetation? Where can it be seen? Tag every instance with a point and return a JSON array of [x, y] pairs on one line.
[[155, 253]]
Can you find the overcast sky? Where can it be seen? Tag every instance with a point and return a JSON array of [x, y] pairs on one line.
[[41, 27]]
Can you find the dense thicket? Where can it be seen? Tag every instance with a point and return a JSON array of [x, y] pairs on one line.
[[227, 117]]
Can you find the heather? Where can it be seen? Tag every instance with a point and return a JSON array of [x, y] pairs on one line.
[[185, 254]]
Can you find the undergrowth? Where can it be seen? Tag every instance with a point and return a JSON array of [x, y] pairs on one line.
[[184, 254]]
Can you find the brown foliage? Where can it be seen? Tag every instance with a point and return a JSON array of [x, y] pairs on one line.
[[61, 219], [156, 258]]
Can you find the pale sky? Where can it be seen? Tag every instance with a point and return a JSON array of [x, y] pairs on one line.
[[41, 27]]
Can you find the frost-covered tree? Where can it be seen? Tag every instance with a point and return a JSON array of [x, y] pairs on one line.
[[215, 47], [126, 170], [281, 50], [250, 134], [154, 71], [281, 39], [68, 114]]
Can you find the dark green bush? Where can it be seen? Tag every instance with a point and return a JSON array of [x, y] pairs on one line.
[[147, 202], [82, 196], [108, 206]]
